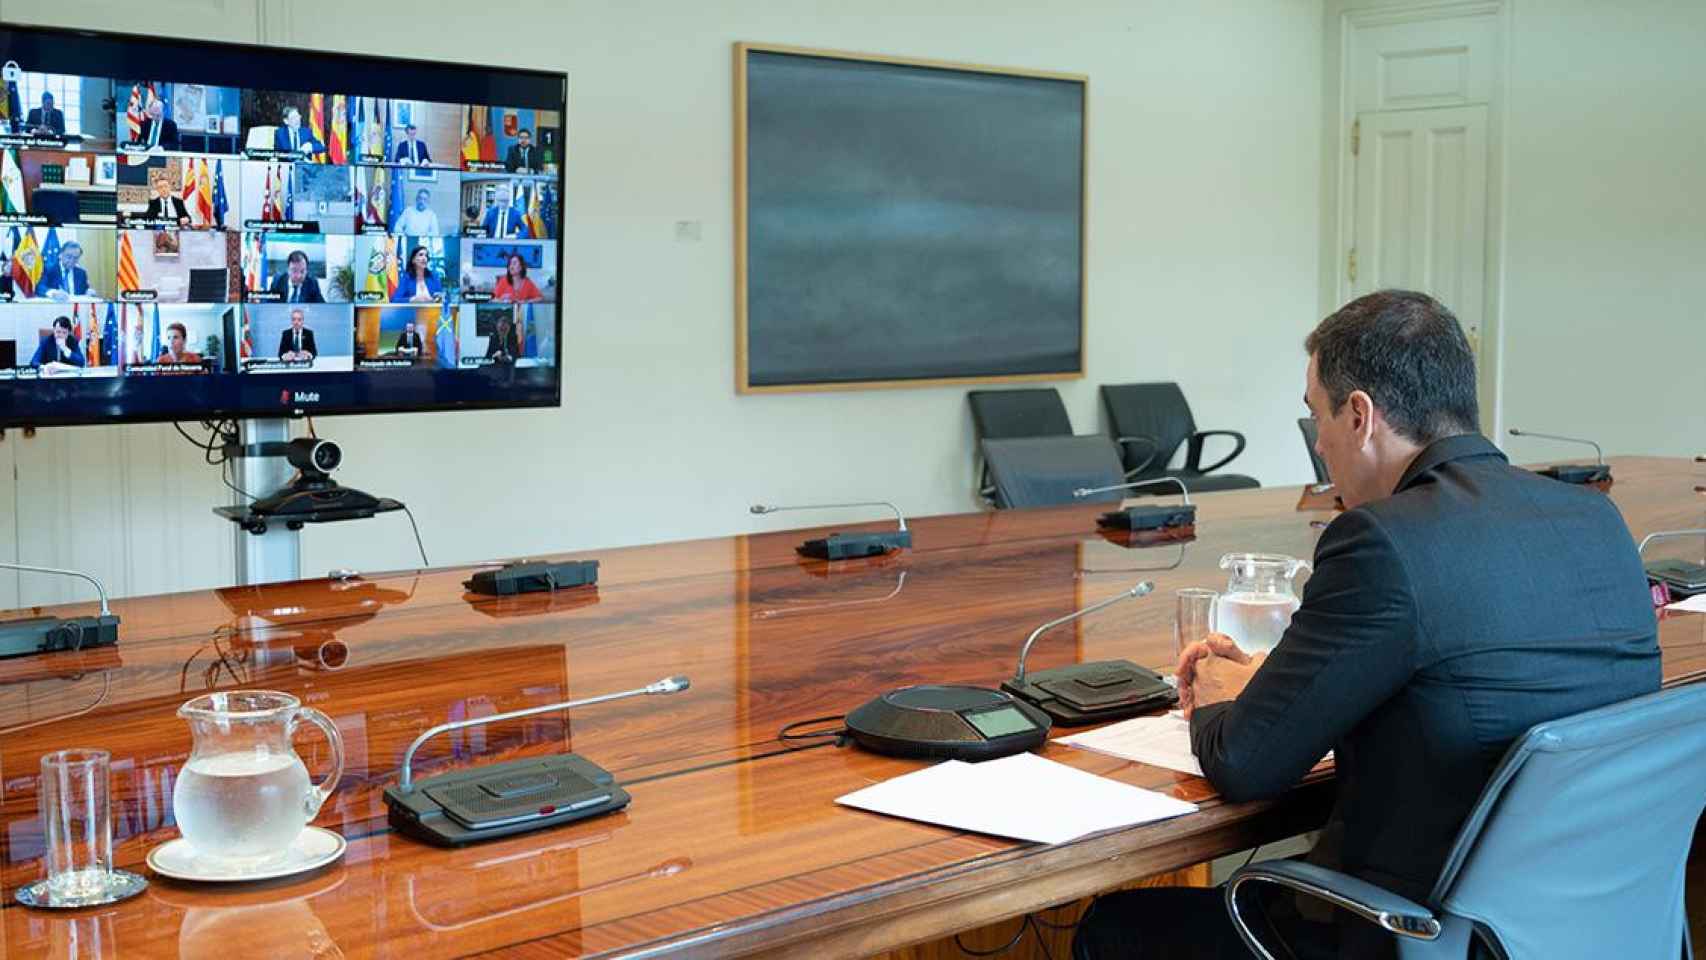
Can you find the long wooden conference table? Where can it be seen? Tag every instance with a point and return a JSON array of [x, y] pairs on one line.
[[733, 845]]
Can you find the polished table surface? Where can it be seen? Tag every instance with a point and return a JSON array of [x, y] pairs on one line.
[[733, 844]]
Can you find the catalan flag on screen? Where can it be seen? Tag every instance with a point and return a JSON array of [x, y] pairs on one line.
[[128, 278], [317, 121]]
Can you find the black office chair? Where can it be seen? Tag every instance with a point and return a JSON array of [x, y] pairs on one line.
[[1150, 421], [1577, 846], [1310, 433], [1006, 414], [1044, 471]]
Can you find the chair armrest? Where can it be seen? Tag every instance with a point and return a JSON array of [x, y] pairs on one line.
[[1154, 448], [1395, 914], [1193, 458]]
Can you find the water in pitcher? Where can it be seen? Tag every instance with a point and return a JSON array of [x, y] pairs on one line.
[[242, 805], [1256, 621]]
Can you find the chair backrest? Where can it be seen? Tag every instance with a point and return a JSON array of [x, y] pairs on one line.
[[1310, 432], [1043, 471], [1158, 411], [1000, 414], [1578, 845]]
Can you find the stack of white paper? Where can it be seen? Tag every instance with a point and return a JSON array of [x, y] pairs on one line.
[[1158, 741], [1694, 604], [1023, 796]]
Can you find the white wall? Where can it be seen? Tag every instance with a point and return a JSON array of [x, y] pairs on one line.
[[1204, 126], [1605, 277]]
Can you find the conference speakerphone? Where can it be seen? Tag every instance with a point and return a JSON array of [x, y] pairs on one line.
[[947, 722]]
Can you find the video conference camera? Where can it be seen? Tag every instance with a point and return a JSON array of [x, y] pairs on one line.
[[312, 455]]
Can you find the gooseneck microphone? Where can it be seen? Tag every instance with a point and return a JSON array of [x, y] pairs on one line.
[[1184, 491], [847, 546], [1577, 473], [1599, 455], [1144, 517], [1139, 590], [49, 634], [668, 685], [762, 508], [1092, 692]]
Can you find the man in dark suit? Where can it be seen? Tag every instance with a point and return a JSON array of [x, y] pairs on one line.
[[157, 131], [294, 285], [295, 138], [46, 119], [409, 341], [1455, 603], [297, 343], [65, 279], [503, 220], [524, 156], [411, 150], [166, 206]]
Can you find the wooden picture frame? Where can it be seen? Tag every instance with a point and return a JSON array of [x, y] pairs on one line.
[[745, 355]]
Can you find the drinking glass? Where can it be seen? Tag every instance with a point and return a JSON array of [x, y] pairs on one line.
[[77, 830], [1195, 617]]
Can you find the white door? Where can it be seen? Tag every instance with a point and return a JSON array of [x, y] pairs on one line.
[[1421, 214]]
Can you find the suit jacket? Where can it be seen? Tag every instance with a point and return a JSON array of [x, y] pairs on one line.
[[52, 278], [54, 120], [310, 289], [281, 139], [287, 344], [420, 154], [173, 209], [168, 133], [516, 227], [405, 342], [1439, 625], [47, 351], [511, 345], [513, 161]]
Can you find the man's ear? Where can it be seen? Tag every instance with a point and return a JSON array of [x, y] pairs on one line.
[[1362, 416]]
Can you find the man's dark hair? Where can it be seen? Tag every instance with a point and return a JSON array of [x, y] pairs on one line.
[[296, 255], [1406, 351]]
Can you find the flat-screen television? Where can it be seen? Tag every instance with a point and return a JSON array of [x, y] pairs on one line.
[[205, 231]]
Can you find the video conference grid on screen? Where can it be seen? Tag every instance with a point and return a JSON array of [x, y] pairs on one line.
[[196, 230]]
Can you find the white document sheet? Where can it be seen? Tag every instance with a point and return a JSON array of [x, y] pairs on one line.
[[1158, 741], [1694, 604], [1024, 797]]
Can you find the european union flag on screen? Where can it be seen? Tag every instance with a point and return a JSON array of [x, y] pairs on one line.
[[111, 355], [531, 347], [155, 351], [50, 255], [220, 205]]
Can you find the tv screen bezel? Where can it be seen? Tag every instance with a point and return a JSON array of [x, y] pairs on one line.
[[489, 79]]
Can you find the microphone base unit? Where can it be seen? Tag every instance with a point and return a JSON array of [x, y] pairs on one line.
[[21, 638], [1096, 692], [504, 799], [1171, 517], [1581, 474], [851, 546], [947, 722], [514, 578]]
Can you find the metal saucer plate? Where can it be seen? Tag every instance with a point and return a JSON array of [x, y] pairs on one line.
[[121, 885]]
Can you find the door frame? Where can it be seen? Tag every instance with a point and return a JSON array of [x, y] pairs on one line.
[[1343, 18]]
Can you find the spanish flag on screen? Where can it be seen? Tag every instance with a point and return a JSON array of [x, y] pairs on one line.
[[26, 265], [339, 144]]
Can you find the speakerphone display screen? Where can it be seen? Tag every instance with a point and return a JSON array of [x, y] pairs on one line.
[[1000, 723]]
